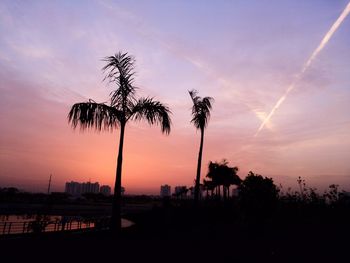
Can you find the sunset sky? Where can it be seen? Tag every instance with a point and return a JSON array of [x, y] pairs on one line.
[[245, 54]]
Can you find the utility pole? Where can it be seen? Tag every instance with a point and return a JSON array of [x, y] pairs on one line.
[[48, 188]]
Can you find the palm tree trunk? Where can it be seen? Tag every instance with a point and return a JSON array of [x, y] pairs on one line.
[[199, 164], [116, 220]]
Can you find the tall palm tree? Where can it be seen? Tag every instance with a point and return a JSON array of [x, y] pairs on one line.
[[123, 107], [200, 118]]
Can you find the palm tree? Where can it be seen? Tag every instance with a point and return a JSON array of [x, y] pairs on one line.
[[200, 117], [209, 186], [222, 174], [123, 107]]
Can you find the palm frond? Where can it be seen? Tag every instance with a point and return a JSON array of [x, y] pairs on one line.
[[200, 110], [193, 93], [119, 64], [120, 69], [153, 112], [123, 98], [94, 115]]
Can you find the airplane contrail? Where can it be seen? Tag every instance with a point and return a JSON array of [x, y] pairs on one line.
[[323, 43]]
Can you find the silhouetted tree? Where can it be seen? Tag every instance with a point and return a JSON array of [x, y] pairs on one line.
[[209, 186], [223, 175], [257, 193], [9, 190], [200, 117], [302, 187], [123, 107], [332, 195], [182, 192]]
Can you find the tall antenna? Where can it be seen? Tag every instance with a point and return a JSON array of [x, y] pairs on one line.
[[48, 188]]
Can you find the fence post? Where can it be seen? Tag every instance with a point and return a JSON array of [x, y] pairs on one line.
[[9, 228], [3, 231]]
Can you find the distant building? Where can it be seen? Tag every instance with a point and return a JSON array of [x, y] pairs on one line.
[[73, 188], [181, 191], [77, 189], [105, 190], [165, 190], [90, 188]]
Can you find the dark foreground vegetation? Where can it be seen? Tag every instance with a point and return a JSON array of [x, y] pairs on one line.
[[211, 233], [261, 224]]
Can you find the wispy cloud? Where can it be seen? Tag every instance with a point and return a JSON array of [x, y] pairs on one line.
[[291, 87]]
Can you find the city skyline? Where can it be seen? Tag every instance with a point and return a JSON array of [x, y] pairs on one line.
[[244, 54], [78, 188]]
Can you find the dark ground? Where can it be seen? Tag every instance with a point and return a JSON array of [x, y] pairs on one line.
[[210, 234]]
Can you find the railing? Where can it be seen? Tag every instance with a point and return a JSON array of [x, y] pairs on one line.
[[8, 228]]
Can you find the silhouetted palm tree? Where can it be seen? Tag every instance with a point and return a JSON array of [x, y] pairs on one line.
[[200, 117], [209, 186], [122, 108], [222, 174]]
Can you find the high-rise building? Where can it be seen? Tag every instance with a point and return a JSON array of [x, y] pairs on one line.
[[73, 188], [90, 188], [105, 190], [181, 191], [77, 189], [165, 190]]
